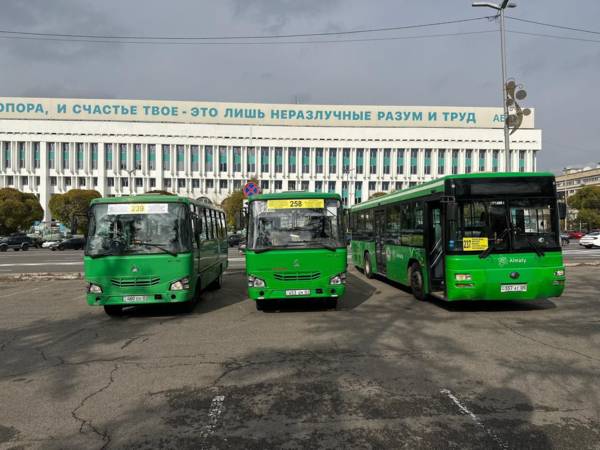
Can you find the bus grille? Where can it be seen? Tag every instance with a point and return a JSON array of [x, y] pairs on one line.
[[130, 282], [297, 276]]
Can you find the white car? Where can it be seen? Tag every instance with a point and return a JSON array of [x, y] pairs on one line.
[[48, 244], [590, 240]]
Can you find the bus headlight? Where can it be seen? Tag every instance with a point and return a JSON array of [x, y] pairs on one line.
[[255, 282], [559, 273], [463, 277], [94, 289], [180, 285], [338, 279]]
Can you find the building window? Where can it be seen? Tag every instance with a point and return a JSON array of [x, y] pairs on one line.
[[373, 161], [278, 160], [209, 184], [24, 181], [292, 161], [400, 161], [123, 156], [110, 182], [167, 183], [346, 160], [81, 181], [53, 181], [482, 160], [180, 152], [332, 161], [521, 160], [137, 156], [441, 161], [237, 185], [223, 184], [95, 181], [495, 162], [79, 155], [222, 159], [468, 160], [152, 183], [36, 155], [94, 147], [291, 185], [124, 182], [414, 153], [108, 156], [454, 162], [166, 156], [264, 185], [357, 192], [360, 160], [345, 192], [318, 186], [387, 160], [398, 185], [331, 186], [65, 155], [195, 183], [6, 152], [208, 158], [372, 186], [264, 159], [195, 157], [251, 163], [319, 161], [180, 183], [385, 186], [237, 159], [305, 160], [67, 181], [139, 182], [278, 185], [21, 150], [427, 167], [152, 156], [10, 180], [304, 186]]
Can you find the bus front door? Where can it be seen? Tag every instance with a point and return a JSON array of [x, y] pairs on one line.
[[380, 241], [435, 246]]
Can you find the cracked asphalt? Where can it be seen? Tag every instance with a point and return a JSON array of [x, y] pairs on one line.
[[383, 371]]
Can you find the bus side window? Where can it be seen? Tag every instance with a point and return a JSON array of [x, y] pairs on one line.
[[368, 224], [194, 226], [224, 222], [393, 223], [221, 225], [206, 224], [211, 223]]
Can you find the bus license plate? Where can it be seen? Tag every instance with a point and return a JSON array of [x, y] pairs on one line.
[[513, 288], [134, 298], [297, 292]]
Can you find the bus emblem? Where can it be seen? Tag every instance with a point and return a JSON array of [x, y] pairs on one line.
[[135, 269], [502, 261], [296, 264]]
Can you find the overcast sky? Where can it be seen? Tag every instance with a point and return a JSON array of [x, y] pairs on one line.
[[562, 77]]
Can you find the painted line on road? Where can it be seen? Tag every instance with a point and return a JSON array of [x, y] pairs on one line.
[[54, 263], [473, 417]]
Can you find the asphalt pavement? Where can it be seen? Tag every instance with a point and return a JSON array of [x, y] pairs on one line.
[[382, 371], [44, 260]]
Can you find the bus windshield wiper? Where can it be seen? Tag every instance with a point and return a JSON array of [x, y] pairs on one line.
[[538, 250], [484, 254], [158, 246]]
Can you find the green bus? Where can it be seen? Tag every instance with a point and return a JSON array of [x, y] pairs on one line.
[[295, 248], [478, 236], [152, 249]]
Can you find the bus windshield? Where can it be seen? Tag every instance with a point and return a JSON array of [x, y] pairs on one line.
[[508, 224], [140, 228], [290, 224]]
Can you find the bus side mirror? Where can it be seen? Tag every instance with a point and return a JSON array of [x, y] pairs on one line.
[[562, 210]]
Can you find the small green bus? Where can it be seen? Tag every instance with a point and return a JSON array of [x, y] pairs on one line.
[[478, 236], [152, 249], [295, 248]]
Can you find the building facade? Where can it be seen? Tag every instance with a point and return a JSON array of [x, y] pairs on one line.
[[50, 146], [574, 179]]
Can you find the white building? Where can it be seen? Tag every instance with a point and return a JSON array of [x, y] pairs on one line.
[[198, 149]]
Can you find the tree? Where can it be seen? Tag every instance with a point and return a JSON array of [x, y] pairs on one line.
[[74, 203], [587, 203], [18, 210], [376, 194]]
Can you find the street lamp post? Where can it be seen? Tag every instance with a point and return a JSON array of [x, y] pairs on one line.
[[500, 7]]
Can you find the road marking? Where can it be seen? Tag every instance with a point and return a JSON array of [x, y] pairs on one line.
[[55, 263], [475, 419]]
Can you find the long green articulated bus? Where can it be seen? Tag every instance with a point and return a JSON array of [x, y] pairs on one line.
[[465, 237], [295, 248], [151, 249]]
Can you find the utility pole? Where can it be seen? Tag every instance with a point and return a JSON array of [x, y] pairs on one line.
[[500, 7]]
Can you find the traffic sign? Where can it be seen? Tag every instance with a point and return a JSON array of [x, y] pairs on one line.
[[251, 188]]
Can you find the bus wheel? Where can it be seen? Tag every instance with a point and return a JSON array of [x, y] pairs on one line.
[[218, 282], [113, 310], [367, 265], [415, 276]]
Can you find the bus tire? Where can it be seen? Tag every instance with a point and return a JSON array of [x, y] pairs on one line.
[[415, 276], [218, 282], [367, 265], [113, 310]]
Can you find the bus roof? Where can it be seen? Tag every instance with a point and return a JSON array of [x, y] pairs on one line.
[[153, 198], [293, 195], [437, 185]]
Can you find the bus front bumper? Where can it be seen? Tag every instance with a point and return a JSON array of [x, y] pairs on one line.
[[139, 299], [325, 291]]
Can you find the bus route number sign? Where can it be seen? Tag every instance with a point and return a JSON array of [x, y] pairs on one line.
[[301, 203], [471, 244]]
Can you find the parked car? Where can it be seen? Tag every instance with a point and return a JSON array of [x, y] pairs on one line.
[[234, 240], [16, 242], [72, 243], [576, 234], [590, 240], [48, 244], [565, 239]]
